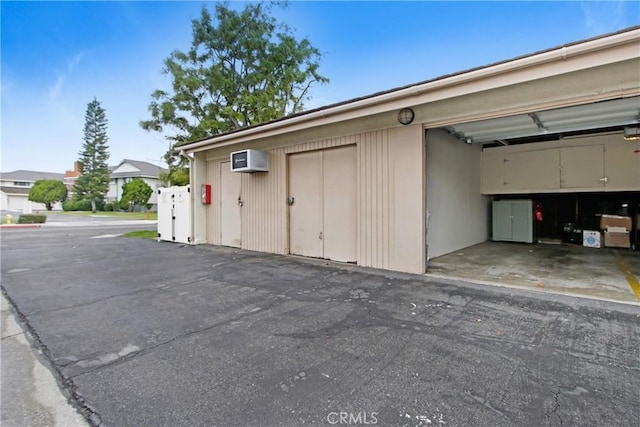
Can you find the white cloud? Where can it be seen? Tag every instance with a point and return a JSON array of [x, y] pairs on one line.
[[603, 16], [56, 88]]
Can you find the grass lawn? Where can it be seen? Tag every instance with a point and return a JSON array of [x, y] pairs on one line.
[[122, 215], [143, 234]]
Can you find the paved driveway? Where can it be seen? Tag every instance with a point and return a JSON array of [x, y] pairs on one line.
[[160, 334]]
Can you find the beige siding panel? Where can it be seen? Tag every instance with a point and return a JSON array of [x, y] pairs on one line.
[[374, 209], [322, 144], [210, 209], [197, 229], [390, 202], [213, 210], [264, 217], [406, 165]]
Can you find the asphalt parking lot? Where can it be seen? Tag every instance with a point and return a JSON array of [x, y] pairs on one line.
[[142, 333]]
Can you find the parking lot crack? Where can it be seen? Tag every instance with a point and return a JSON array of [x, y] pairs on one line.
[[553, 412], [134, 292], [110, 359]]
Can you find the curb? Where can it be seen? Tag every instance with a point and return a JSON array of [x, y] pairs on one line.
[[20, 226]]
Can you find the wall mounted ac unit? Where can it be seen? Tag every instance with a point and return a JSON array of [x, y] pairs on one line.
[[249, 161]]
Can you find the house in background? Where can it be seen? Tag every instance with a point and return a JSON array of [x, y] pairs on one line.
[[15, 187], [127, 170], [70, 177]]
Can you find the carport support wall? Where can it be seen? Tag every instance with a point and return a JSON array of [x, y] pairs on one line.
[[199, 211], [459, 212], [390, 192]]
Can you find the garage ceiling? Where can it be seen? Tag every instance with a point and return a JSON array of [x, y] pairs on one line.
[[599, 115]]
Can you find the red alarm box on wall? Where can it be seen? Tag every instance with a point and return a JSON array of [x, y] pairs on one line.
[[205, 194]]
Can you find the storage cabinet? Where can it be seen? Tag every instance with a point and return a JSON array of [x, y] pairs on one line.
[[603, 163], [582, 167], [622, 166], [536, 169], [513, 221]]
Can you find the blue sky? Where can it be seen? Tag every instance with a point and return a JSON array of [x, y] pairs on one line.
[[57, 56]]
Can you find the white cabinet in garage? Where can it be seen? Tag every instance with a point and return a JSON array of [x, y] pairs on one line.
[[520, 172], [622, 166], [513, 220], [492, 172], [536, 170], [603, 163], [582, 167]]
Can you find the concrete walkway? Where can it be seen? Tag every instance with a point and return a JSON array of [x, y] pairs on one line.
[[30, 394]]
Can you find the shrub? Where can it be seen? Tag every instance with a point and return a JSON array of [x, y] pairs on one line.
[[108, 207], [80, 205], [32, 219], [76, 205], [124, 205]]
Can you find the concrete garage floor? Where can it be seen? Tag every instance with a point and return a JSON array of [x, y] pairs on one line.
[[605, 273]]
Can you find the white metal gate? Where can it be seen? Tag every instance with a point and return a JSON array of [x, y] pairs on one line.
[[174, 214]]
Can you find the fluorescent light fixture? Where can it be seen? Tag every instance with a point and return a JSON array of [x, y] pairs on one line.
[[632, 133]]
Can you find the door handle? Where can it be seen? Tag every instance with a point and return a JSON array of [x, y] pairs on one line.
[[604, 179], [240, 202], [320, 236], [290, 200]]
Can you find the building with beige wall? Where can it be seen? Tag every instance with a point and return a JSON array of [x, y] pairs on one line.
[[396, 178]]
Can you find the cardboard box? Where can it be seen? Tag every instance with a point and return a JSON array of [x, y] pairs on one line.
[[591, 239], [617, 240], [615, 221]]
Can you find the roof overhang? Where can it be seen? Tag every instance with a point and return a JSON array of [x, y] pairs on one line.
[[15, 191], [566, 60]]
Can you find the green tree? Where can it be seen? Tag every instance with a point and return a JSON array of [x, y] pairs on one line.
[[177, 176], [136, 191], [48, 191], [93, 183], [243, 68]]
